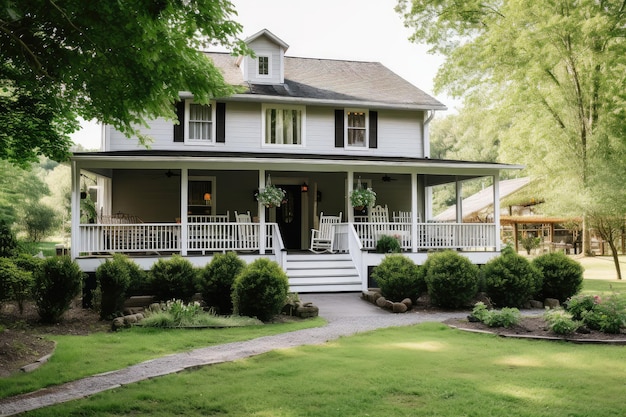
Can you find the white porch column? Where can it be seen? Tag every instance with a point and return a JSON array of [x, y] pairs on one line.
[[261, 211], [349, 209], [184, 202], [459, 200], [75, 204], [496, 209], [414, 212]]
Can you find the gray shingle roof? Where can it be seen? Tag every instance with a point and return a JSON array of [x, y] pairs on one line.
[[333, 80]]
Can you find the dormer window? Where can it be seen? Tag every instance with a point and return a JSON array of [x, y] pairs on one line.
[[263, 65]]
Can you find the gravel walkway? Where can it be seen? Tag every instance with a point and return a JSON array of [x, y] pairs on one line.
[[346, 313]]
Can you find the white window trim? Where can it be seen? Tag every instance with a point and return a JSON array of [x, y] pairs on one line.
[[188, 141], [269, 66], [302, 109], [367, 129]]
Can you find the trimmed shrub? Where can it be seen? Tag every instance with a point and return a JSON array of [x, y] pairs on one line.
[[56, 284], [138, 279], [510, 280], [388, 244], [217, 278], [451, 279], [27, 262], [260, 290], [15, 283], [113, 279], [562, 276], [398, 278], [173, 278]]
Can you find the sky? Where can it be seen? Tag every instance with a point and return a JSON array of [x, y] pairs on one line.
[[334, 29]]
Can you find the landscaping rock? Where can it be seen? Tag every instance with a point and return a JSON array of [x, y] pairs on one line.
[[118, 323], [139, 301], [307, 310], [381, 302], [408, 303], [551, 303], [399, 307], [536, 304]]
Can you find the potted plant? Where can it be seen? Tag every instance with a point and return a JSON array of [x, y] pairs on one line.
[[362, 197], [270, 196]]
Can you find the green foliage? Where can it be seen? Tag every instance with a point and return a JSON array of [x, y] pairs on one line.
[[506, 317], [66, 61], [510, 280], [398, 278], [260, 290], [560, 321], [138, 284], [174, 278], [388, 244], [16, 283], [529, 243], [27, 262], [578, 305], [39, 221], [8, 241], [451, 279], [608, 316], [19, 188], [562, 276], [217, 278], [113, 279], [56, 284]]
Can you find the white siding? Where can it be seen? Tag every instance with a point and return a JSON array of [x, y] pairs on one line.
[[399, 134]]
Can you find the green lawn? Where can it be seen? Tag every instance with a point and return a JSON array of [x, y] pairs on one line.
[[601, 267], [424, 370]]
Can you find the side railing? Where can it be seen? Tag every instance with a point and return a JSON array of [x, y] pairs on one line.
[[463, 236], [165, 237], [276, 245]]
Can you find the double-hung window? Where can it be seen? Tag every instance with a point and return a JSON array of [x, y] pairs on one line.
[[199, 121], [356, 128], [283, 125], [264, 65]]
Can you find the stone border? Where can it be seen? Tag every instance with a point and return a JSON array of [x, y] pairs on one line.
[[617, 342], [32, 366]]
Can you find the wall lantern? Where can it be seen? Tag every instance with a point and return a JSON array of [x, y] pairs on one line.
[[207, 198], [304, 187]]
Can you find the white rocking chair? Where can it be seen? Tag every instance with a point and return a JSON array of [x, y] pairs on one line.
[[246, 232], [322, 240]]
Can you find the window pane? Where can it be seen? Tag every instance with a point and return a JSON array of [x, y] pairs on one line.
[[356, 137], [283, 126], [200, 122]]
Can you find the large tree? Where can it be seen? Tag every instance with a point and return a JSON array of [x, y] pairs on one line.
[[121, 62], [553, 72]]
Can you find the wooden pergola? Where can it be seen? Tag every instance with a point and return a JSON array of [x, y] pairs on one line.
[[545, 221]]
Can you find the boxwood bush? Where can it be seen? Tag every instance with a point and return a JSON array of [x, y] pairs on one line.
[[55, 285], [260, 290], [451, 279], [398, 278], [174, 278], [113, 277], [510, 280], [216, 281], [562, 276]]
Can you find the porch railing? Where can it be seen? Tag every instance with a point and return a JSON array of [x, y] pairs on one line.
[[165, 237], [465, 236]]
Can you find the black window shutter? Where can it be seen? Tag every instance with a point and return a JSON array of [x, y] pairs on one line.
[[373, 139], [339, 128], [179, 129], [220, 128]]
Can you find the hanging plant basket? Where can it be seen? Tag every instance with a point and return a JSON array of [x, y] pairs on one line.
[[362, 197], [270, 196]]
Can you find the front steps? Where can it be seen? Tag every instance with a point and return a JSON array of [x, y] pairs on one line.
[[311, 272]]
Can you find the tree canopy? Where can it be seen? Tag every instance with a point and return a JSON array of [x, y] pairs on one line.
[[553, 73], [121, 62]]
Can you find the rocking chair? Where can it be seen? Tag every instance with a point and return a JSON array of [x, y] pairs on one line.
[[322, 240]]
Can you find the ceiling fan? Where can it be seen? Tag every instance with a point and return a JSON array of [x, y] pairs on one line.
[[387, 178], [170, 174]]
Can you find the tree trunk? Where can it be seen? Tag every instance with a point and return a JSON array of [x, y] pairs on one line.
[[586, 249], [615, 259]]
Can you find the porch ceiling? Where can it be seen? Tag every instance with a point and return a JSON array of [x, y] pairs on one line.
[[284, 161]]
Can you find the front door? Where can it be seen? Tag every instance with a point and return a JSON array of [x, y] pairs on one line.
[[288, 217]]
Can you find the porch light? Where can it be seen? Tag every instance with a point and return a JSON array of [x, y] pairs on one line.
[[304, 187], [207, 198]]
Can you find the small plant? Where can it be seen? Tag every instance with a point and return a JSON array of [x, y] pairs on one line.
[[260, 290], [176, 314], [561, 322], [510, 280], [388, 244], [398, 278], [173, 278], [217, 278], [608, 316], [56, 284], [579, 305], [529, 243], [562, 276], [451, 279], [506, 317]]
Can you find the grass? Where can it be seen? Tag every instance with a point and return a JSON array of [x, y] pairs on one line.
[[601, 267], [79, 356], [426, 370]]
